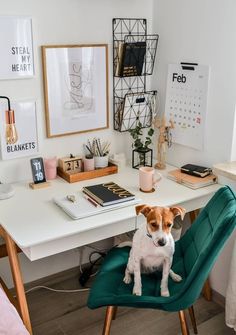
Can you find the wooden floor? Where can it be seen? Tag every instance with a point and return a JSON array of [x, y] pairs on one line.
[[66, 314]]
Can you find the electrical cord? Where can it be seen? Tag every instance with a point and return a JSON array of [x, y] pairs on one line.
[[87, 273], [55, 290], [96, 251]]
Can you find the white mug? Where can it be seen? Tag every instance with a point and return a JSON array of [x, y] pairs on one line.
[[148, 178]]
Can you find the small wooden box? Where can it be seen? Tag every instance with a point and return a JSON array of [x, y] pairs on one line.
[[67, 164], [72, 176]]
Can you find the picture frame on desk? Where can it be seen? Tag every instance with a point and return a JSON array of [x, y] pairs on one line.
[[75, 88], [38, 174]]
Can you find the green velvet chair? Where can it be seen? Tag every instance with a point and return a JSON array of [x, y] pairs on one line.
[[195, 254]]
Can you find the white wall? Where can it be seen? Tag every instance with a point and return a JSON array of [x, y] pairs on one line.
[[202, 32], [64, 22], [61, 22]]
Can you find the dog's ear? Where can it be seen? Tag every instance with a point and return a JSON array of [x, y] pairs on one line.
[[144, 209], [176, 210]]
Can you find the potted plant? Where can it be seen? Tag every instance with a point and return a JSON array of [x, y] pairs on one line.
[[142, 154]]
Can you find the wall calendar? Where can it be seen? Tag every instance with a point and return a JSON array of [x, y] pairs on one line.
[[186, 102]]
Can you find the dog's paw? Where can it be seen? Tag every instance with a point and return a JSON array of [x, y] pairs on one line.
[[165, 293], [176, 278], [127, 279], [137, 290]]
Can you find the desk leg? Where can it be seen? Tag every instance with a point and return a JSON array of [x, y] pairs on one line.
[[17, 278], [207, 293]]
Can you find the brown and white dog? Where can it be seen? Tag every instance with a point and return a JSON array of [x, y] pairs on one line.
[[153, 247]]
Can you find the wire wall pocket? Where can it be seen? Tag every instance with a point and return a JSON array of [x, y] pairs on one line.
[[135, 108], [134, 53]]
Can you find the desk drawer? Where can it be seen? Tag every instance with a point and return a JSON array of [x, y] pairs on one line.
[[70, 242]]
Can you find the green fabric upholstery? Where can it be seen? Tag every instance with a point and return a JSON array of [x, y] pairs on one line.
[[196, 253]]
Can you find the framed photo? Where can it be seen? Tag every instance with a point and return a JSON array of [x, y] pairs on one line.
[[75, 88], [16, 47]]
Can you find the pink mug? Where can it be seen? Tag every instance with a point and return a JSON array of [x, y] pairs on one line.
[[148, 178]]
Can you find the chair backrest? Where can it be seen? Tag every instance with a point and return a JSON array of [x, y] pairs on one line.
[[206, 237]]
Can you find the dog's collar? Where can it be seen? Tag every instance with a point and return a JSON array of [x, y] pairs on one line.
[[148, 234]]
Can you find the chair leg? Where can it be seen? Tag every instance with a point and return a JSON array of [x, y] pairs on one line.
[[193, 320], [183, 323], [207, 292], [108, 320], [114, 312]]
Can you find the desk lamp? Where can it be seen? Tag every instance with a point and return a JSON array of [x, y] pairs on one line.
[[11, 133]]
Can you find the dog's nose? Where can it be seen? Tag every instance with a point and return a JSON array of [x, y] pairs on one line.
[[162, 242]]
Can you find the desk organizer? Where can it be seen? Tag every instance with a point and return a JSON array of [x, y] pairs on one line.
[[73, 177]]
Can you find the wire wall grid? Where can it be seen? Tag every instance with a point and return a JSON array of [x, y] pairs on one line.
[[134, 53]]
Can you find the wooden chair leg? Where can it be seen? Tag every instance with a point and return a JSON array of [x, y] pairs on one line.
[[17, 278], [183, 323], [114, 312], [207, 292], [193, 320], [108, 320]]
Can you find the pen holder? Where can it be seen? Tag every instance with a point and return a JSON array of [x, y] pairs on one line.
[[88, 163], [100, 161]]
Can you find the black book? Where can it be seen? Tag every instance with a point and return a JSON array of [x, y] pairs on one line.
[[196, 170], [108, 193], [132, 60]]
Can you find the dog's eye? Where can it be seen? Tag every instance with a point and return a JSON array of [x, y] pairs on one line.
[[153, 224], [168, 225]]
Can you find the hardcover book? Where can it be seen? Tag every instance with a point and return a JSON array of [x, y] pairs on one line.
[[191, 181], [132, 59], [196, 170], [108, 193], [119, 58]]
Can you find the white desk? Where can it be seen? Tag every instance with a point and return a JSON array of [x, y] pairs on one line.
[[41, 229]]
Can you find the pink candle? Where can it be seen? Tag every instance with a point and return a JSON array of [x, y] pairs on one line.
[[50, 166]]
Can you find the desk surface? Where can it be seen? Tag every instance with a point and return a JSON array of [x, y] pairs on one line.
[[41, 229]]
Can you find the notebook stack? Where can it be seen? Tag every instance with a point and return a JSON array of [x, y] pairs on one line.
[[108, 193], [96, 199], [193, 176]]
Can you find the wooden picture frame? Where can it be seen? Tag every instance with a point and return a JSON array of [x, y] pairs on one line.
[[75, 88]]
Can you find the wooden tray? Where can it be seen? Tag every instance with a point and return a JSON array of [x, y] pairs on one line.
[[73, 177]]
